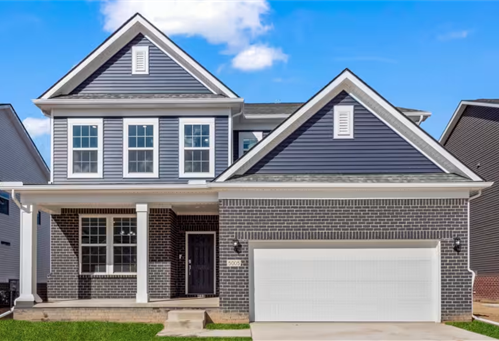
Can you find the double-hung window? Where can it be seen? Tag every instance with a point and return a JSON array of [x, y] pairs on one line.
[[140, 148], [85, 148], [197, 147], [108, 244], [4, 202]]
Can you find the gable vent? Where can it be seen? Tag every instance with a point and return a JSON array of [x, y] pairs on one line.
[[140, 60], [343, 122]]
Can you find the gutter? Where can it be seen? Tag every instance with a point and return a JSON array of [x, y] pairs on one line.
[[7, 313]]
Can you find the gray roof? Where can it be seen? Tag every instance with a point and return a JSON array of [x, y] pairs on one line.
[[485, 100], [287, 108], [134, 96], [352, 178]]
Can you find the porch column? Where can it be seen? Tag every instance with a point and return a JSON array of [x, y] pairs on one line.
[[142, 252], [27, 261]]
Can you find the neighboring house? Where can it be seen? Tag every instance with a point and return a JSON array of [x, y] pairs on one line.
[[472, 135], [20, 161], [165, 184]]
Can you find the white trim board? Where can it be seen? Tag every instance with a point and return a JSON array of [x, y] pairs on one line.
[[214, 233], [135, 25], [457, 115], [350, 83]]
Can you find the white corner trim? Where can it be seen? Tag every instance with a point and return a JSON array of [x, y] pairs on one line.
[[339, 110], [187, 260], [52, 148], [100, 147], [317, 102], [118, 40], [135, 51], [205, 121], [141, 121]]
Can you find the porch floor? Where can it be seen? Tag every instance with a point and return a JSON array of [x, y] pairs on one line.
[[187, 302]]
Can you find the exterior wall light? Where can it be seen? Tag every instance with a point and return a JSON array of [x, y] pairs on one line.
[[457, 244], [237, 245]]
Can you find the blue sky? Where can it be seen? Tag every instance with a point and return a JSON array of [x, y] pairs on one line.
[[423, 55]]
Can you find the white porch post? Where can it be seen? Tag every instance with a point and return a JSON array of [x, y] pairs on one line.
[[142, 252], [28, 263]]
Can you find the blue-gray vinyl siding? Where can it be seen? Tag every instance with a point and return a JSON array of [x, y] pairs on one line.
[[375, 148], [165, 75], [113, 151]]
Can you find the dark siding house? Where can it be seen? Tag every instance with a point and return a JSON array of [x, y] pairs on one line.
[[473, 136]]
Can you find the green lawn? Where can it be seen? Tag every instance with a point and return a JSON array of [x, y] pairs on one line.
[[478, 327], [94, 331], [227, 326]]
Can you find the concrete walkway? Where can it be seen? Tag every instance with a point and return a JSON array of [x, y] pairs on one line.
[[361, 331]]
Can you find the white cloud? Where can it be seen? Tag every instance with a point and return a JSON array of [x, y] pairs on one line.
[[454, 35], [257, 57], [233, 23], [37, 126]]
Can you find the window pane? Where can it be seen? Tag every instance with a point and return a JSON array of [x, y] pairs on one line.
[[141, 142], [93, 259], [76, 142], [196, 130], [132, 142], [76, 131], [85, 161], [93, 142], [197, 141], [93, 131], [125, 259], [188, 141], [188, 130], [132, 130], [141, 131], [125, 230], [4, 203], [149, 142], [85, 131], [205, 130], [85, 142], [149, 130], [94, 229]]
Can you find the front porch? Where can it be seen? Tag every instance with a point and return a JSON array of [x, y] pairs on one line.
[[176, 303]]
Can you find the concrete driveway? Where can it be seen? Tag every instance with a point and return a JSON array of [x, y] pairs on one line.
[[360, 331]]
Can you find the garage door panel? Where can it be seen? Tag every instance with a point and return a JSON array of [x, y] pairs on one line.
[[358, 284]]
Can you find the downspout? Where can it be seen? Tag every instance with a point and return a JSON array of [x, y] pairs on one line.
[[473, 273]]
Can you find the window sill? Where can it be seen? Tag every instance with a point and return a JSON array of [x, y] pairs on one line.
[[96, 275], [84, 176], [197, 175], [140, 176]]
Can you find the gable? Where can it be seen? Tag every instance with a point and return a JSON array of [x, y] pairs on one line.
[[165, 74], [375, 148]]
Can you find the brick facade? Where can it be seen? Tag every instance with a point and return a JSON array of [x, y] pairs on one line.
[[166, 267], [268, 219], [486, 288]]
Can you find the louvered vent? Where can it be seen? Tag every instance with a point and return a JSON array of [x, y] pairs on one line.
[[140, 60], [343, 122]]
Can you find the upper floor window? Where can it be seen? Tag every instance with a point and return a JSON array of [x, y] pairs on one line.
[[85, 148], [247, 140], [140, 148], [4, 202], [197, 147], [140, 60]]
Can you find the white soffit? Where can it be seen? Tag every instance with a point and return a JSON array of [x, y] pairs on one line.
[[135, 25], [349, 82]]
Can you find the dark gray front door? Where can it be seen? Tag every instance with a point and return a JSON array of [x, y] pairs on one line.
[[201, 265]]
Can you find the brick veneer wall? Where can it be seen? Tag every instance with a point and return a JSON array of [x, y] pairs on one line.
[[269, 219], [486, 287], [192, 223]]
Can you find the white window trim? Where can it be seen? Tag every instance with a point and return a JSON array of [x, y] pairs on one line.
[[246, 134], [182, 123], [337, 109], [136, 49], [141, 121], [100, 141], [109, 244]]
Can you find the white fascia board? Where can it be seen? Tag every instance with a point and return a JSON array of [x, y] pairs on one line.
[[118, 40], [265, 116], [317, 102]]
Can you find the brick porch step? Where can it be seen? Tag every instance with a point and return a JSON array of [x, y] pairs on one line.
[[185, 319]]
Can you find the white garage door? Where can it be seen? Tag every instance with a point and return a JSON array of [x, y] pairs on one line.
[[345, 281]]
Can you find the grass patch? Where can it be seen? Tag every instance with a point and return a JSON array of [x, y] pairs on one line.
[[224, 326], [94, 331], [478, 327]]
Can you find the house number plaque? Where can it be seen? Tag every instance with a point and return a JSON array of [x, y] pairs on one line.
[[233, 262]]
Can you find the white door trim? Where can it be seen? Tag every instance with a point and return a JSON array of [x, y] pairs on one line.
[[214, 233]]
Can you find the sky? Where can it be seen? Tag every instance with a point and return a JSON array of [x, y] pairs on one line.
[[425, 55]]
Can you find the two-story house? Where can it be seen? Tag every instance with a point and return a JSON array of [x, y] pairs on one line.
[[165, 184], [472, 135], [20, 162]]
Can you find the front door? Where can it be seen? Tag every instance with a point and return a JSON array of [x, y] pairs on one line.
[[201, 263]]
